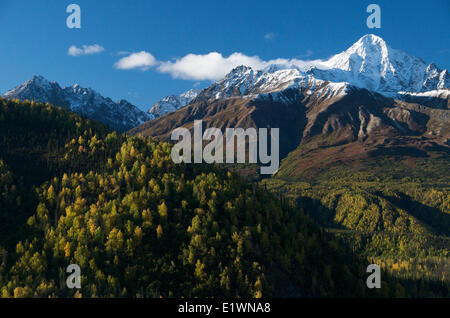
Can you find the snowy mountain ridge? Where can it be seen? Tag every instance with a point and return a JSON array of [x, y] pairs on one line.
[[120, 115], [172, 103]]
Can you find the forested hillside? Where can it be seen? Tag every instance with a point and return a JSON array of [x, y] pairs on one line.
[[140, 226], [392, 209]]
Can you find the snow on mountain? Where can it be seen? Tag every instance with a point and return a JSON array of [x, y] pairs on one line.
[[438, 98], [172, 103], [120, 115], [38, 89], [369, 63], [243, 81], [437, 93]]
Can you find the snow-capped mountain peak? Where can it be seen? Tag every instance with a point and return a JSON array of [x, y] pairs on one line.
[[368, 51], [173, 102], [191, 94], [371, 63], [38, 80], [121, 116]]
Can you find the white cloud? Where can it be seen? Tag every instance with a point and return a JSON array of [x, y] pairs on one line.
[[269, 36], [214, 66], [140, 60], [85, 50], [211, 66]]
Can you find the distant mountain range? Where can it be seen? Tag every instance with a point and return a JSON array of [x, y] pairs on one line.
[[120, 115], [368, 64]]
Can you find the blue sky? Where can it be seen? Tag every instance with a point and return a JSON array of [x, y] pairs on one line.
[[35, 39]]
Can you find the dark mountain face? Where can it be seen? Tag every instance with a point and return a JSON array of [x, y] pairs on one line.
[[234, 113]]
